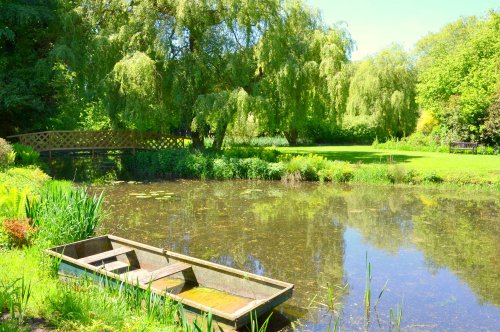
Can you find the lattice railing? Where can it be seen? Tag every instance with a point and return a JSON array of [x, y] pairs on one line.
[[99, 140]]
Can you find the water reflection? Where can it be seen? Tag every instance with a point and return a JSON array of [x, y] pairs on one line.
[[438, 250]]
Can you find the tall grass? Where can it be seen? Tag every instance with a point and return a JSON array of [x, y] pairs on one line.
[[64, 214], [396, 318], [368, 283], [14, 297]]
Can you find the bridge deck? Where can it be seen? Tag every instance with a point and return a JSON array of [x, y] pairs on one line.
[[74, 141]]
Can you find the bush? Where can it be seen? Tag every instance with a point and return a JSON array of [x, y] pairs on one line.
[[256, 141], [19, 231], [336, 171], [307, 166], [431, 177], [26, 155], [22, 178], [7, 154]]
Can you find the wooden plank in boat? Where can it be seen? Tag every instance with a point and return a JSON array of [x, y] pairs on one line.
[[165, 272], [105, 255], [116, 265]]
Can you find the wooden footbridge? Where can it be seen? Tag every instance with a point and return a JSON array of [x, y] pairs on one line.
[[97, 142]]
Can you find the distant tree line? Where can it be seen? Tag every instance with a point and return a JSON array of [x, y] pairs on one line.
[[237, 67]]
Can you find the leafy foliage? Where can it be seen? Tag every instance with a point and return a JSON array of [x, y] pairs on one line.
[[300, 63], [64, 214], [27, 30], [25, 155], [7, 154], [382, 94], [458, 75]]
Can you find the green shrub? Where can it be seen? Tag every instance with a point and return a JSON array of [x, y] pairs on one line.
[[221, 169], [307, 166], [256, 141], [275, 171], [194, 165], [336, 171], [431, 177], [270, 155], [25, 155], [7, 154], [32, 178], [399, 174], [64, 214], [427, 143]]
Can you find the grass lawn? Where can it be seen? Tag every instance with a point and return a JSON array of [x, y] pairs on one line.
[[446, 165]]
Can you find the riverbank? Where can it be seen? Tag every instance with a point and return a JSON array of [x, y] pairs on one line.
[[31, 294], [453, 168], [337, 164]]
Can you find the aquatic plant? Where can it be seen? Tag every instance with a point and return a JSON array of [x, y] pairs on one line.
[[380, 295], [395, 318], [368, 281], [64, 214]]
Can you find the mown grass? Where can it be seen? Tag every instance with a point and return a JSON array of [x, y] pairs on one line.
[[453, 168]]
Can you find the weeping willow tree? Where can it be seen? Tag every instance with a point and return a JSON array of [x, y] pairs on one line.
[[300, 61], [382, 94], [193, 66], [145, 64]]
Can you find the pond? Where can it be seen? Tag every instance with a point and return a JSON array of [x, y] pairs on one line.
[[436, 252]]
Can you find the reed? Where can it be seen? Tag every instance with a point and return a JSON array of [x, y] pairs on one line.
[[380, 295], [254, 323], [368, 282], [64, 214], [396, 318]]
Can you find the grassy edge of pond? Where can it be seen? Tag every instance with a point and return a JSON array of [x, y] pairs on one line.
[[31, 294], [344, 164]]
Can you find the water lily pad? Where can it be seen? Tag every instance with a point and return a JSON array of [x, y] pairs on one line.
[[164, 198]]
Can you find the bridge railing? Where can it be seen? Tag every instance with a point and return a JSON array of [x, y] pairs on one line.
[[66, 140]]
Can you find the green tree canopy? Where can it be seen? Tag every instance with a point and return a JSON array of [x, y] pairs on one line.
[[27, 29], [382, 93], [299, 61], [459, 74]]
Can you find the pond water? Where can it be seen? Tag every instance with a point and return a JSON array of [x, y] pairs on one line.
[[437, 252]]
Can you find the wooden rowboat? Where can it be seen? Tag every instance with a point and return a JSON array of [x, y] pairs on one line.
[[230, 295]]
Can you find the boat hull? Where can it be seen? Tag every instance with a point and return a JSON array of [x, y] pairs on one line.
[[232, 296]]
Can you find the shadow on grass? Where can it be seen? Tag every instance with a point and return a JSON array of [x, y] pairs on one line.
[[365, 157]]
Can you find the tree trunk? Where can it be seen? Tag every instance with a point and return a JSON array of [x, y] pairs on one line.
[[291, 136], [197, 140], [220, 133]]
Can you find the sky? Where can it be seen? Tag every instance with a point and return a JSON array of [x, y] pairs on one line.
[[376, 24]]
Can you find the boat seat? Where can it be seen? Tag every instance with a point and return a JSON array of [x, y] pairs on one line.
[[113, 266], [105, 255], [164, 272]]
